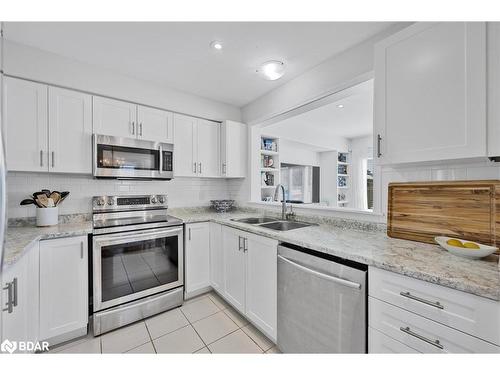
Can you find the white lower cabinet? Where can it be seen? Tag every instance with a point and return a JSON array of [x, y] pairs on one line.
[[20, 300], [63, 288], [430, 318], [379, 343], [250, 270], [197, 258], [216, 258], [234, 267]]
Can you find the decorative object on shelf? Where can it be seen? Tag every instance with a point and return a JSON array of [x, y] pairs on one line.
[[268, 179], [342, 157], [222, 205], [464, 248], [269, 144], [342, 169], [341, 181], [267, 161], [341, 197]]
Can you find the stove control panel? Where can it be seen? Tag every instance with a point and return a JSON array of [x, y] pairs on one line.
[[132, 202]]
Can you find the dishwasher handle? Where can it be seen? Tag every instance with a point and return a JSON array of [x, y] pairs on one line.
[[338, 280]]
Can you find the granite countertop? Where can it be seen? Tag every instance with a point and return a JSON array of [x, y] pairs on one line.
[[363, 243], [373, 247], [20, 239]]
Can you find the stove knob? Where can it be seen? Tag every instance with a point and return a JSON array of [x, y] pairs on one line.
[[111, 201], [161, 199], [153, 200], [100, 202]]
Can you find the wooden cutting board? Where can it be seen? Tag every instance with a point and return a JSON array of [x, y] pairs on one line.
[[469, 210]]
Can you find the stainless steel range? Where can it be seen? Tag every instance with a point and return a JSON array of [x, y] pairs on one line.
[[137, 259]]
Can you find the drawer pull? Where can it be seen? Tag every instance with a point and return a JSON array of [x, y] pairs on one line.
[[430, 303], [435, 343]]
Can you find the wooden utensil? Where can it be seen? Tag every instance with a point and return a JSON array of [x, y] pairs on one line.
[[420, 211], [56, 196], [42, 200]]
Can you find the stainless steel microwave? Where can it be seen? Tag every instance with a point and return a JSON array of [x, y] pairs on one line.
[[129, 158]]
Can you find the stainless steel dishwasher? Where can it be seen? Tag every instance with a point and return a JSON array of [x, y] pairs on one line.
[[322, 303]]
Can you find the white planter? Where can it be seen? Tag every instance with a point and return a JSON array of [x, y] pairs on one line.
[[47, 216]]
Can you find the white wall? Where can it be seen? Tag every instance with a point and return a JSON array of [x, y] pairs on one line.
[[182, 192], [292, 152], [332, 75], [32, 63]]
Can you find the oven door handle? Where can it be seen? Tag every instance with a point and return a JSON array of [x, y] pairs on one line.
[[107, 238]]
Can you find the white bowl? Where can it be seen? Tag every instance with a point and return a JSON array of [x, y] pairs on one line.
[[483, 251]]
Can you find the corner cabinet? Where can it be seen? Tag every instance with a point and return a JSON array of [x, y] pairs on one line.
[[20, 299], [250, 277], [197, 153], [430, 93], [64, 289]]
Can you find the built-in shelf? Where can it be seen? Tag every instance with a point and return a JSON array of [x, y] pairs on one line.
[[342, 202], [268, 187], [271, 173], [268, 152], [342, 187], [345, 175], [269, 169]]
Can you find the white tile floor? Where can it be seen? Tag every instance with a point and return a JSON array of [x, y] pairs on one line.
[[205, 324]]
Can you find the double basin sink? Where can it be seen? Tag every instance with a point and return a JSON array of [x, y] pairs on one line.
[[275, 224]]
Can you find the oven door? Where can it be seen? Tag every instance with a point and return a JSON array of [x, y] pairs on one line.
[[130, 158], [133, 265]]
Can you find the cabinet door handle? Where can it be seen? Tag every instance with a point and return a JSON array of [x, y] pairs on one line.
[[9, 304], [379, 139], [239, 243], [133, 128], [435, 343], [140, 129], [199, 167], [41, 158], [422, 300], [194, 167], [14, 287], [81, 250], [53, 158], [223, 168], [189, 231]]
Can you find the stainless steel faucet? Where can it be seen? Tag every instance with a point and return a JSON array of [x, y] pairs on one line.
[[283, 205]]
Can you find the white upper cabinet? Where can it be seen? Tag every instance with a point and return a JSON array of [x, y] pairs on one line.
[[430, 93], [196, 144], [115, 117], [70, 131], [154, 124], [208, 141], [63, 288], [184, 143], [25, 126], [234, 146], [493, 89]]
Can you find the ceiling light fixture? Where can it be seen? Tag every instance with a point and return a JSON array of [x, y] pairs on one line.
[[272, 70], [216, 45], [340, 106]]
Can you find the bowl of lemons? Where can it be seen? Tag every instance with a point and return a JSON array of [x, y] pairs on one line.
[[464, 248]]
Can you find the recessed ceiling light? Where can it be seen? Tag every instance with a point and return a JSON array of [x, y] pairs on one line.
[[272, 70], [340, 106], [216, 45]]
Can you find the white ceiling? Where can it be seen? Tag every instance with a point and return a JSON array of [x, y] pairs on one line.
[[323, 126], [178, 54]]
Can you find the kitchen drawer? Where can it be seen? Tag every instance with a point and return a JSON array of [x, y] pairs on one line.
[[422, 334], [466, 312], [379, 343]]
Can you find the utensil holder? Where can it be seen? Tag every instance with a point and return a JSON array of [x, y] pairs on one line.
[[47, 216]]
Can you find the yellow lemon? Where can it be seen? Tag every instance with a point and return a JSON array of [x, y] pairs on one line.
[[471, 245], [453, 242]]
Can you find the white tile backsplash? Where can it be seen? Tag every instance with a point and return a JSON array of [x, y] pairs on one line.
[[182, 192]]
